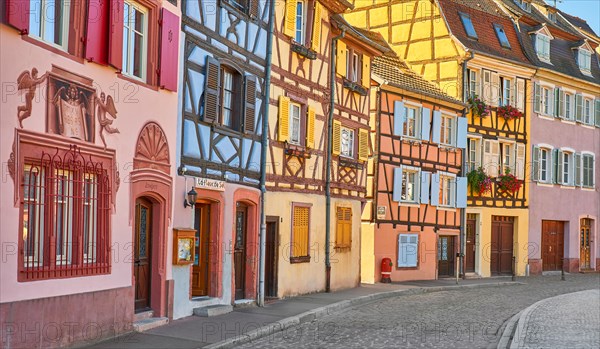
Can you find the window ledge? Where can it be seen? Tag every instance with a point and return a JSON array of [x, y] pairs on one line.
[[409, 204], [566, 186], [449, 148], [547, 117], [342, 248], [137, 82], [226, 130], [568, 121], [591, 127], [446, 208], [355, 87], [544, 184], [52, 48], [296, 150], [303, 50], [303, 259], [407, 268], [592, 189], [348, 162], [412, 140]]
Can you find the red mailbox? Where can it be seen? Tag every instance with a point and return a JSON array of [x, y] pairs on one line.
[[386, 270]]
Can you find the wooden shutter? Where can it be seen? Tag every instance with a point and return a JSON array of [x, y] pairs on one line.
[[461, 133], [495, 89], [96, 37], [169, 50], [363, 144], [408, 247], [487, 86], [211, 89], [115, 37], [561, 104], [424, 187], [336, 138], [310, 128], [435, 189], [17, 14], [491, 157], [577, 166], [340, 58], [289, 26], [558, 164], [397, 184], [537, 99], [283, 130], [300, 231], [578, 107], [513, 93], [399, 117], [344, 227], [461, 192], [535, 175], [520, 160], [550, 103], [437, 126], [253, 8], [250, 107], [521, 95], [366, 71], [315, 43], [425, 123], [556, 104], [597, 112]]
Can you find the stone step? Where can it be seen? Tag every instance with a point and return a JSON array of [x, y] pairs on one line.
[[150, 323], [213, 310], [243, 303], [143, 315]]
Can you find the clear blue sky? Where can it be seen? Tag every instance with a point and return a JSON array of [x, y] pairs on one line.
[[586, 9]]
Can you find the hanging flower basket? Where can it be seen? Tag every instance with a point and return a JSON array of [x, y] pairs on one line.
[[509, 112], [479, 181], [478, 107], [508, 182]]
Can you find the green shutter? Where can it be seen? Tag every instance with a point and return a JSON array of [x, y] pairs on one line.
[[536, 98], [578, 108], [535, 175], [597, 109], [577, 174]]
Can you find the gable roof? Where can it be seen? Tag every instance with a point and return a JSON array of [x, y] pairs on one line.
[[536, 16], [396, 73], [484, 14], [578, 22]]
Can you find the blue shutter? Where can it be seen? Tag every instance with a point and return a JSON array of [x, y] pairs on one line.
[[437, 126], [461, 133], [397, 194], [435, 189], [425, 179], [408, 249], [461, 192], [425, 123], [399, 118]]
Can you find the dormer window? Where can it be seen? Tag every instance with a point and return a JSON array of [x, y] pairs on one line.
[[501, 34], [552, 16], [524, 4], [542, 47], [469, 28], [584, 60]]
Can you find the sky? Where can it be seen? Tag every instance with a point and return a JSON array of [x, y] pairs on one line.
[[586, 9]]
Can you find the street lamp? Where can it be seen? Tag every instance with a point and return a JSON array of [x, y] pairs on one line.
[[190, 200]]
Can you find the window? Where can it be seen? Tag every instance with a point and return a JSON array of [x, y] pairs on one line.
[[135, 37], [584, 59], [411, 123], [508, 154], [542, 47], [300, 22], [408, 249], [506, 94], [501, 36], [546, 101], [295, 123], [347, 142], [230, 98], [473, 161], [567, 172], [447, 191], [524, 4], [469, 29], [545, 162], [587, 169], [410, 185], [569, 106], [49, 21], [300, 233], [354, 65], [343, 227], [473, 83], [552, 16], [448, 130], [588, 111], [241, 5]]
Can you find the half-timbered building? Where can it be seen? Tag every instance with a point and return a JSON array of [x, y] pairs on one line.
[[301, 105], [223, 60], [87, 136], [416, 186]]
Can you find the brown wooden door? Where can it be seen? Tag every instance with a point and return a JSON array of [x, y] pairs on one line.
[[200, 272], [446, 256], [239, 254], [470, 247], [552, 245], [271, 260], [584, 245], [142, 254], [502, 245]]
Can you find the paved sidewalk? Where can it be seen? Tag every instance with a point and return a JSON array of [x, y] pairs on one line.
[[253, 322], [567, 321]]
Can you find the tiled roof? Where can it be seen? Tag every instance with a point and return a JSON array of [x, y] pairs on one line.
[[372, 39], [484, 14], [396, 73], [539, 17], [578, 22]]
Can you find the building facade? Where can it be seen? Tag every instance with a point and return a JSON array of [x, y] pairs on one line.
[[87, 141]]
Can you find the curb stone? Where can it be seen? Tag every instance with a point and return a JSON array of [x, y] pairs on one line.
[[509, 331], [329, 309]]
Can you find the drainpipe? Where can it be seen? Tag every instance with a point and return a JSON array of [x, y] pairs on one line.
[[463, 212], [263, 163], [328, 161]]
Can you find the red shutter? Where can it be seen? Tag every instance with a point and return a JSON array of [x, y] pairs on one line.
[[17, 14], [96, 40], [115, 39], [169, 53]]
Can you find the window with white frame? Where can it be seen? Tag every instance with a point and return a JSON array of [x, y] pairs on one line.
[[473, 83], [300, 22], [410, 184], [524, 4], [448, 131], [473, 154], [545, 165], [447, 191], [135, 39], [566, 160], [49, 21], [569, 114], [506, 94], [542, 47], [295, 123], [588, 106], [353, 65], [552, 16], [587, 170], [584, 60], [546, 101], [347, 142], [411, 123], [508, 153]]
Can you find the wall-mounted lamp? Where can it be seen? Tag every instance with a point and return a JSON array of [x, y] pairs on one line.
[[190, 199]]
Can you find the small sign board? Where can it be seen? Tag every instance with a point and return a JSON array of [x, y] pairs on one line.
[[210, 184], [381, 212]]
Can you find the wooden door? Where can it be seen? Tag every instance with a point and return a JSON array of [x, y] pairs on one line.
[[446, 256], [502, 245], [239, 254], [271, 260], [142, 254], [470, 246], [584, 245], [200, 272], [552, 245]]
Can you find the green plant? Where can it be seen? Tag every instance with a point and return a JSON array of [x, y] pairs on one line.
[[508, 182], [509, 112], [478, 106], [479, 181]]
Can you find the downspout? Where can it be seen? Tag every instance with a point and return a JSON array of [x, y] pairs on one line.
[[328, 161], [463, 156], [263, 163]]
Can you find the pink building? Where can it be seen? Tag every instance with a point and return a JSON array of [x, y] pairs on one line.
[[87, 136]]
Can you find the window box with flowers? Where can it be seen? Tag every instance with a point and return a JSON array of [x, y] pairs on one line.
[[509, 112], [479, 181], [508, 182], [478, 107]]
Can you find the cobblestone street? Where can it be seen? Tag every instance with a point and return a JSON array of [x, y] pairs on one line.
[[467, 318]]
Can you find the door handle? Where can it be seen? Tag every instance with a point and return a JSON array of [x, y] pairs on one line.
[[550, 248]]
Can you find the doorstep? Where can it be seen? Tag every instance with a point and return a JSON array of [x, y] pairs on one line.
[[149, 323]]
